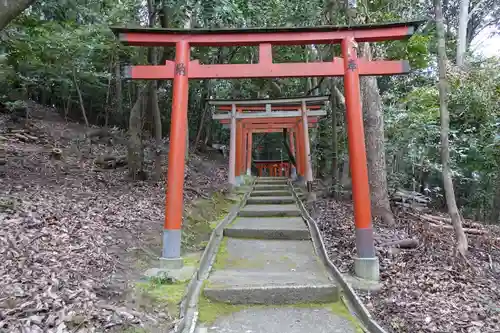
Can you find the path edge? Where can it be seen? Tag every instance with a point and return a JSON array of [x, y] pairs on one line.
[[188, 309], [353, 300]]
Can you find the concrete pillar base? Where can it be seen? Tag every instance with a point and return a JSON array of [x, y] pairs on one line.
[[249, 173], [300, 181], [171, 243], [240, 180], [176, 275], [293, 173], [367, 268], [171, 263]]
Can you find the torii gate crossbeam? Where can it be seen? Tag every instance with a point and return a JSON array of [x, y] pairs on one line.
[[349, 66]]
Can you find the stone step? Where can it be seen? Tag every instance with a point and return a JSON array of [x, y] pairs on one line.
[[280, 193], [273, 293], [291, 228], [315, 318], [270, 210], [271, 200], [271, 187], [252, 271], [271, 181], [271, 178]]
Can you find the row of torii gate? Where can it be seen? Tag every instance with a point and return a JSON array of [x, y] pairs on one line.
[[247, 117]]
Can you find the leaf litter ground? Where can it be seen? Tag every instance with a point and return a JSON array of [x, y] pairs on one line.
[[73, 241], [426, 289]]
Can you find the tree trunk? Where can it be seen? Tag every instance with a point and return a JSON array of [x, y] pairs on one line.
[[153, 101], [135, 156], [204, 96], [80, 98], [462, 32], [445, 127], [375, 144], [108, 95], [208, 134], [155, 111], [187, 25], [10, 9], [345, 180], [118, 89], [495, 211]]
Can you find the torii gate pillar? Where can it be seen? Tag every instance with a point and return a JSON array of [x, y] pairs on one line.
[[293, 170], [367, 264], [171, 253], [249, 152], [307, 148], [232, 148]]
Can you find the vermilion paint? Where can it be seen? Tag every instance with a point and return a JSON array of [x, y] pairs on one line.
[[356, 137], [175, 177]]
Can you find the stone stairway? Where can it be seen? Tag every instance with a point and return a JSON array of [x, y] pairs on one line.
[[267, 259]]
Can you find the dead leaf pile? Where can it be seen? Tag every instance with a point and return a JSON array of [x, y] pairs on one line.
[[426, 289], [68, 234]]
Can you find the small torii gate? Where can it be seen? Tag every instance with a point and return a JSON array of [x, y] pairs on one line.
[[349, 66], [246, 117]]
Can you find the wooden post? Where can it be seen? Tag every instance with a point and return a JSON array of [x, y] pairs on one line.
[[232, 148], [239, 139], [307, 148], [292, 169], [249, 153], [366, 265], [175, 177]]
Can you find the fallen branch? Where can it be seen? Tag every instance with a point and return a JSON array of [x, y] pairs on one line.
[[22, 137], [111, 162], [466, 230], [444, 220], [204, 196], [402, 244]]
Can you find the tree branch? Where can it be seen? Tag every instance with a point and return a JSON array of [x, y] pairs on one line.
[[475, 9], [316, 87], [339, 94]]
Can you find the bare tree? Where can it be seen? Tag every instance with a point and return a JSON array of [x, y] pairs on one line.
[[153, 100], [335, 160], [10, 9], [375, 144], [135, 150], [80, 98], [456, 219], [462, 32], [495, 211]]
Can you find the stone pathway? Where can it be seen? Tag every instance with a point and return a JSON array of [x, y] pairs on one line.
[[266, 277]]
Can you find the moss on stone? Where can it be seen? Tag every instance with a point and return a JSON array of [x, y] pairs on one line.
[[341, 310], [168, 296], [210, 310], [201, 217], [222, 256], [223, 260], [192, 259]]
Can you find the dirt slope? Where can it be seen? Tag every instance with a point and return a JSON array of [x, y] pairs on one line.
[[426, 289], [73, 239]]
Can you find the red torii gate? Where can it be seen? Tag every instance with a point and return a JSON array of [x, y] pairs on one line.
[[245, 117], [349, 66]]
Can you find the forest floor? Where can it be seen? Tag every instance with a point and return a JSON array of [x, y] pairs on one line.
[[428, 288], [74, 239]]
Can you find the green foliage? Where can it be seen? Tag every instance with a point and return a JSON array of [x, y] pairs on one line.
[[412, 126], [56, 44]]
